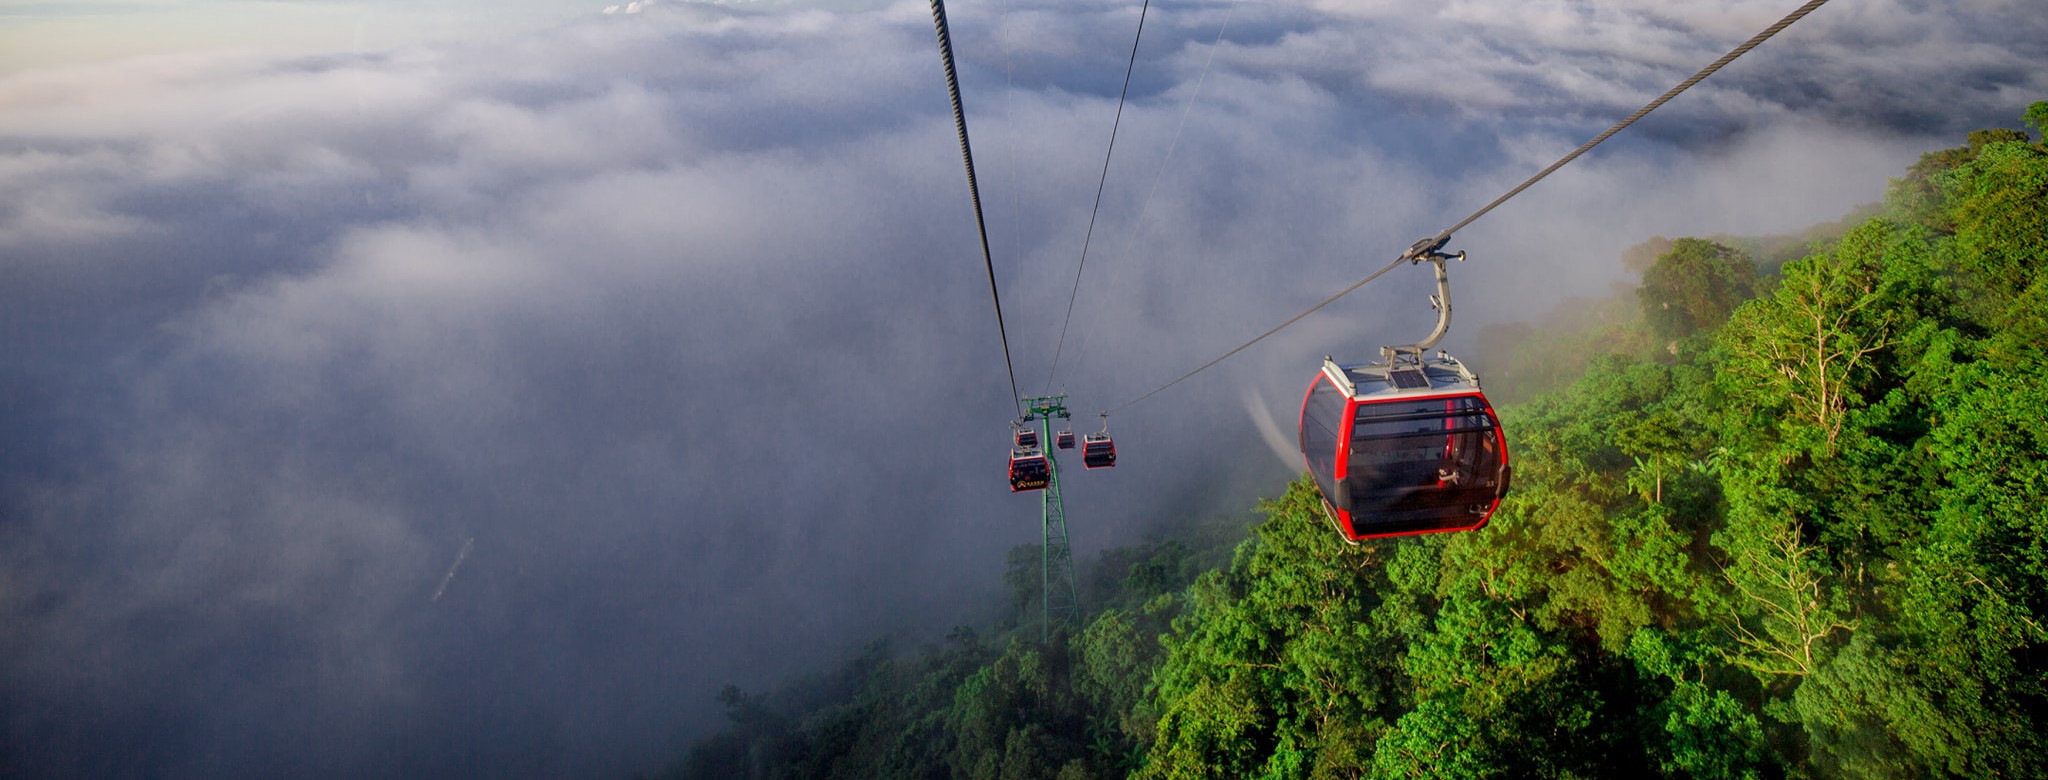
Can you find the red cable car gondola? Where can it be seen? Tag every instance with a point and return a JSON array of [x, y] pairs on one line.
[[1098, 451], [1028, 470], [1065, 439], [1407, 444], [1027, 438]]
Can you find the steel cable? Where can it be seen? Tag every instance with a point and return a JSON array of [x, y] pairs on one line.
[[974, 189], [1647, 108], [1432, 243], [1092, 212], [1144, 207]]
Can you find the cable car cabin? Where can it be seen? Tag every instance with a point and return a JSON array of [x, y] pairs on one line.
[[1098, 451], [1410, 448], [1065, 439], [1027, 438], [1028, 470]]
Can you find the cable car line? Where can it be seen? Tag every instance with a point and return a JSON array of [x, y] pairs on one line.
[[1092, 212], [1647, 108], [974, 190], [1424, 248], [1145, 206], [1261, 337]]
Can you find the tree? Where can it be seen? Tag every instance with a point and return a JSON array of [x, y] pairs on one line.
[[1998, 209], [1918, 196], [1638, 259], [1694, 286], [1016, 717], [1810, 346], [1278, 666], [1659, 445], [1779, 577]]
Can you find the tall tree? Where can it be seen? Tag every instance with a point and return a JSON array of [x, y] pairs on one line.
[[1693, 286]]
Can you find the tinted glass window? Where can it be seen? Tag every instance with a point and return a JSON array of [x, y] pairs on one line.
[[1321, 418], [1424, 463]]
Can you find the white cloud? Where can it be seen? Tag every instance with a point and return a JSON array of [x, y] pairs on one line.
[[682, 319]]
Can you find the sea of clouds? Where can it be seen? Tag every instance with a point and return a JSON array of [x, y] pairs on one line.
[[666, 333]]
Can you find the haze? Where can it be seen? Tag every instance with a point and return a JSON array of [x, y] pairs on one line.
[[670, 327]]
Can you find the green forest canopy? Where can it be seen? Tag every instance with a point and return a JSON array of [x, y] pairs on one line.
[[1776, 516]]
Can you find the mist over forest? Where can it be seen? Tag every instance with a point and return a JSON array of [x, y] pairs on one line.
[[1776, 512], [487, 407]]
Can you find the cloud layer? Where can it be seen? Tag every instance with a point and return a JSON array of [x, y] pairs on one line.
[[678, 315]]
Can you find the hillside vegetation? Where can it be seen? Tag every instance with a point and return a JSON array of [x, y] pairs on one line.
[[1785, 519]]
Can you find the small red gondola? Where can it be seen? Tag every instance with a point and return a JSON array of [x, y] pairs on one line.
[[1098, 451], [1065, 439], [1027, 438], [1028, 470]]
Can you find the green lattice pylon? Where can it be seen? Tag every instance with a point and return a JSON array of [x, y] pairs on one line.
[[1059, 599]]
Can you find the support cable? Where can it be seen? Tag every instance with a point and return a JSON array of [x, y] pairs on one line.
[[1262, 337], [1422, 248], [1092, 212], [974, 189], [1651, 106], [1145, 206]]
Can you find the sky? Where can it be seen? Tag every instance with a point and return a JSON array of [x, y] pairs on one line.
[[427, 389], [38, 34]]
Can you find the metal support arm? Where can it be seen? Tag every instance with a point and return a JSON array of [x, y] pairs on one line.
[[1441, 301]]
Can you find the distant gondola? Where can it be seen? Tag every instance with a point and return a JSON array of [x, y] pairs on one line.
[[1028, 470], [1065, 439], [1098, 451]]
